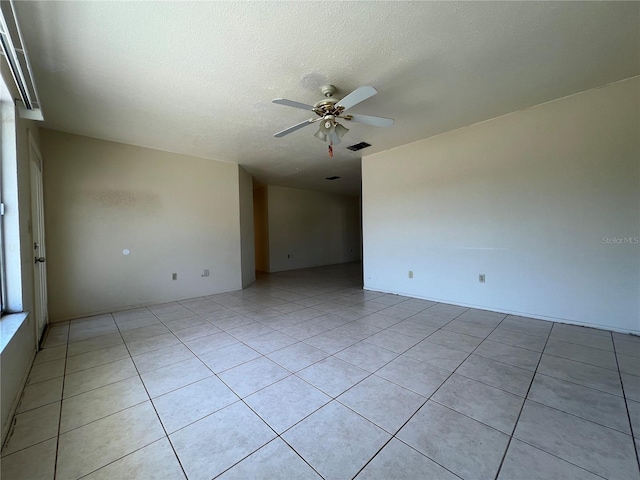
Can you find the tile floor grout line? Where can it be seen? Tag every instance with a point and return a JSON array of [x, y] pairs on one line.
[[515, 425], [166, 434], [626, 404], [55, 463]]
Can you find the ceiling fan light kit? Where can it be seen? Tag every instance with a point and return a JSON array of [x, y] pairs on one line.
[[329, 110]]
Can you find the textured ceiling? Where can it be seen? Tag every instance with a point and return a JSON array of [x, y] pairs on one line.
[[198, 77]]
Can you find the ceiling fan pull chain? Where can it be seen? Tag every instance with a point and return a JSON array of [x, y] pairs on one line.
[[331, 151]]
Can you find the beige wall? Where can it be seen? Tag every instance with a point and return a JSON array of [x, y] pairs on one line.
[[177, 214], [535, 200], [261, 228], [246, 227], [309, 229]]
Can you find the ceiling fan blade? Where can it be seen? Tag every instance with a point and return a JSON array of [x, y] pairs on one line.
[[357, 96], [291, 103], [294, 128], [370, 120]]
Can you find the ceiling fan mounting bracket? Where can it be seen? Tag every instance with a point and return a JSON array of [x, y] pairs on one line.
[[328, 90]]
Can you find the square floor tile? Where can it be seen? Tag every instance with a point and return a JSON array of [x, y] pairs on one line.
[[398, 461], [634, 415], [530, 342], [270, 342], [144, 345], [162, 357], [304, 330], [34, 463], [210, 343], [489, 405], [196, 331], [76, 348], [413, 329], [627, 346], [157, 461], [252, 376], [524, 462], [33, 426], [297, 356], [249, 331], [367, 356], [497, 374], [527, 326], [331, 341], [599, 449], [46, 371], [41, 393], [96, 377], [581, 373], [599, 407], [628, 364], [210, 446], [336, 441], [172, 377], [186, 405], [144, 332], [464, 446], [49, 354], [384, 403], [516, 356], [469, 328], [394, 341], [275, 460], [286, 402], [96, 358], [631, 386], [357, 330], [101, 402], [417, 376], [229, 357], [457, 341], [88, 448], [332, 375], [437, 355], [586, 339], [580, 353]]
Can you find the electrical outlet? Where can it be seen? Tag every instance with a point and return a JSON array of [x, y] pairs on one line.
[[481, 278], [206, 273], [410, 273], [174, 276]]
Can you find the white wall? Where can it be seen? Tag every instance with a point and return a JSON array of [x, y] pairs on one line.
[[527, 199], [247, 246], [309, 229], [177, 214]]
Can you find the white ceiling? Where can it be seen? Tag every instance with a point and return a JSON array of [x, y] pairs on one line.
[[198, 78]]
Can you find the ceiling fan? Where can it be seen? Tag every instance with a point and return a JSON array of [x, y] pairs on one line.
[[329, 110]]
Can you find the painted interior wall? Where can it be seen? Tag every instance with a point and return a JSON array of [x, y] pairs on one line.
[[18, 342], [247, 241], [261, 228], [309, 229], [544, 202], [175, 213]]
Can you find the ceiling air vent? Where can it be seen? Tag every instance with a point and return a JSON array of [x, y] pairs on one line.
[[358, 146], [332, 178]]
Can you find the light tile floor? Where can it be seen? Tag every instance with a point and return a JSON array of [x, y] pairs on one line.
[[305, 375]]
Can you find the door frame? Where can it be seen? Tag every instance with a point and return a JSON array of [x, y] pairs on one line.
[[41, 315]]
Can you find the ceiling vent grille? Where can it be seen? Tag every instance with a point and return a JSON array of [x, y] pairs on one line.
[[358, 146], [332, 178]]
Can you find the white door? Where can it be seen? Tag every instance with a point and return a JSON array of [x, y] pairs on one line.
[[39, 250]]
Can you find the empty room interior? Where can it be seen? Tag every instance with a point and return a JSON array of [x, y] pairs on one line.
[[320, 240]]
